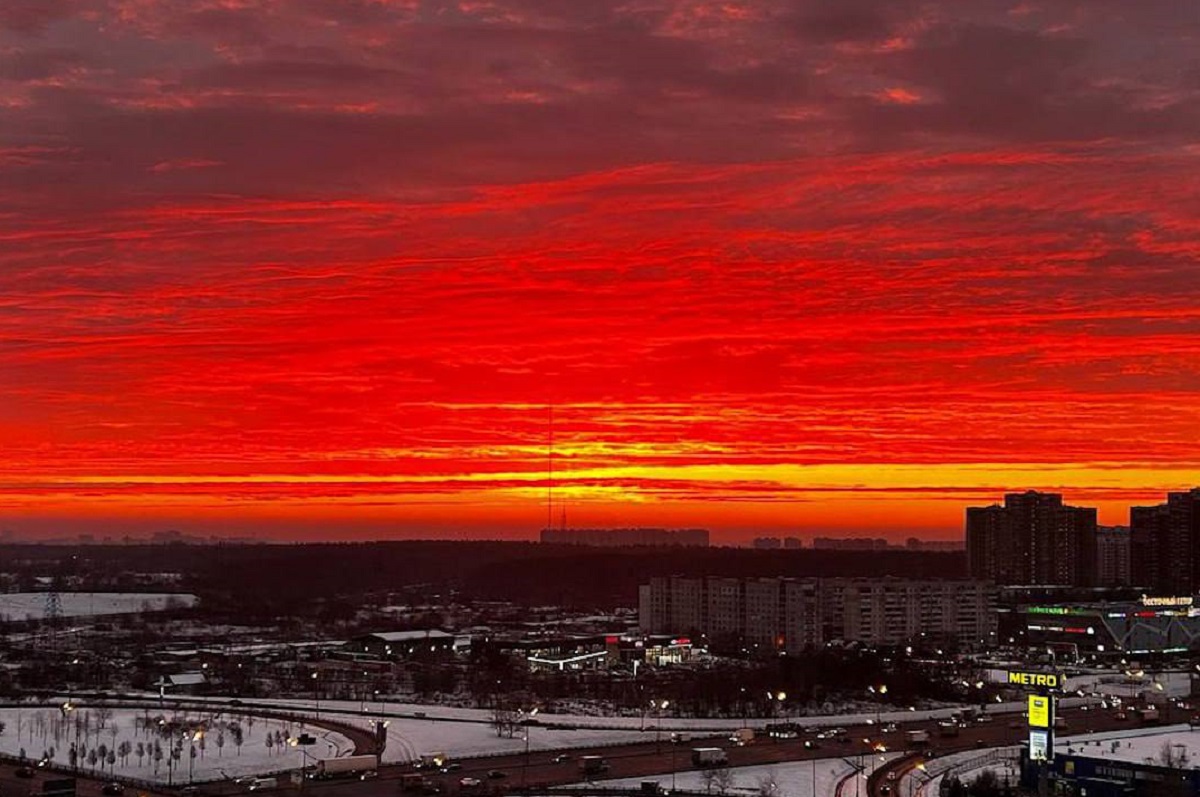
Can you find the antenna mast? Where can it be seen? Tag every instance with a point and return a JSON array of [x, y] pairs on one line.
[[550, 468]]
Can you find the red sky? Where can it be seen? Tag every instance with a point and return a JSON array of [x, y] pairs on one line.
[[317, 268]]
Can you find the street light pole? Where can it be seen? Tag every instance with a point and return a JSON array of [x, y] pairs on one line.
[[317, 694], [528, 729], [674, 747]]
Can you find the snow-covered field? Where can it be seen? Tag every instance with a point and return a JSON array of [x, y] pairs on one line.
[[23, 605], [137, 743], [790, 779]]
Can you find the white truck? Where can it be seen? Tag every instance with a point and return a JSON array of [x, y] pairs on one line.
[[345, 767], [917, 737], [709, 757]]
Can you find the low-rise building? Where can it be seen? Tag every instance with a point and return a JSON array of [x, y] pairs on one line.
[[401, 644], [783, 614], [1153, 625]]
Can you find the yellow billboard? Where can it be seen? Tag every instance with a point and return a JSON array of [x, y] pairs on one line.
[[1040, 712]]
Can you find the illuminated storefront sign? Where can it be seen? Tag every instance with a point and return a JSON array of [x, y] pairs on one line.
[[1175, 600], [1044, 680]]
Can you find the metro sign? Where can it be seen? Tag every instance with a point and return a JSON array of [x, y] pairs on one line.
[[1042, 680]]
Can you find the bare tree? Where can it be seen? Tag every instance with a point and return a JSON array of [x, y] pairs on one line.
[[723, 780], [239, 738], [1174, 756], [768, 785], [504, 721]]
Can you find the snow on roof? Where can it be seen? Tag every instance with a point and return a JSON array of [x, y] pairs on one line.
[[1138, 748], [409, 636], [184, 679]]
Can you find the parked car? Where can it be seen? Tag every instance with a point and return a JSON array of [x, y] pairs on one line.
[[113, 789]]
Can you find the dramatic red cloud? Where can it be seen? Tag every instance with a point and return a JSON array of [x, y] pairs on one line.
[[329, 268]]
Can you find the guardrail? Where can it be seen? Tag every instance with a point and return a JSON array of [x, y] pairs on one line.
[[140, 784]]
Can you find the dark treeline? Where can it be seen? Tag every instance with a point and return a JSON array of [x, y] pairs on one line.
[[273, 579]]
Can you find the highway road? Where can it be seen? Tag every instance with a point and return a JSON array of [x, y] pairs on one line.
[[651, 760]]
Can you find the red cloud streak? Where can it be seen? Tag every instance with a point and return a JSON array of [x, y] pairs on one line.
[[329, 269]]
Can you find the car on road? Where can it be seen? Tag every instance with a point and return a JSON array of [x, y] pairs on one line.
[[470, 783], [561, 758], [113, 789], [24, 772], [453, 766], [368, 774], [495, 774]]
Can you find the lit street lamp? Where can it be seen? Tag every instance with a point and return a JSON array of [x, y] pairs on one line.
[[878, 692], [659, 708], [525, 721]]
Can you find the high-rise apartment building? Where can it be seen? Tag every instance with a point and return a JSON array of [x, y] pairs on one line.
[[1112, 556], [1034, 538], [782, 614], [1165, 544]]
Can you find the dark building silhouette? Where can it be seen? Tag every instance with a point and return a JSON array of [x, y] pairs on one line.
[[609, 538], [1112, 556], [1034, 538], [1165, 544]]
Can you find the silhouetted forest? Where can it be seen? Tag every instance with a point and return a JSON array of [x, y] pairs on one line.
[[269, 579]]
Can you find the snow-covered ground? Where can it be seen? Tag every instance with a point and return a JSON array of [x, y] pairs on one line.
[[45, 732], [408, 738], [791, 779], [1169, 684], [1140, 745], [392, 709], [23, 605]]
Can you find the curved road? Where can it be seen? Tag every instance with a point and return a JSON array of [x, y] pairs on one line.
[[642, 760]]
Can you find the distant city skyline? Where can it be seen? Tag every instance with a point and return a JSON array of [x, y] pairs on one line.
[[832, 267]]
